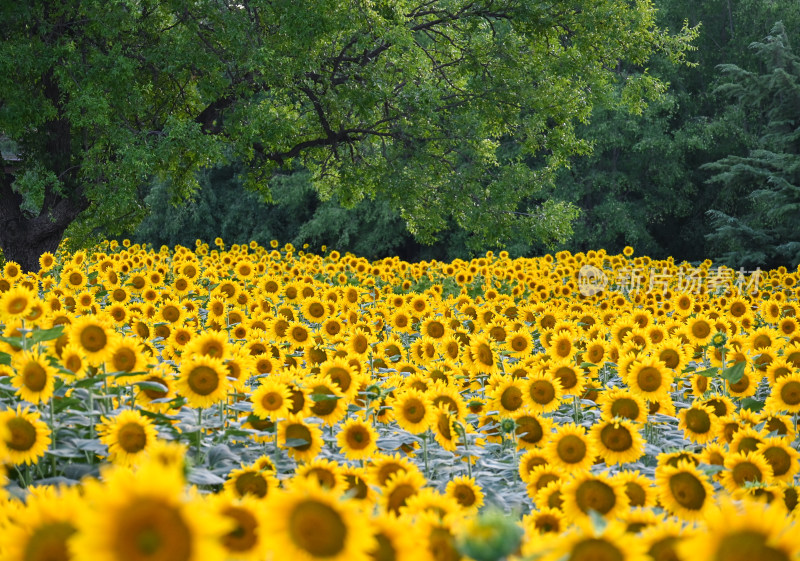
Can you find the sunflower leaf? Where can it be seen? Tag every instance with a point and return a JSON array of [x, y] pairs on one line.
[[752, 404], [734, 374], [5, 359], [200, 476], [295, 442], [709, 373], [598, 521], [42, 335], [153, 386]]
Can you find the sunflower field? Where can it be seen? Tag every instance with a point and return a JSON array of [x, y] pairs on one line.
[[252, 403]]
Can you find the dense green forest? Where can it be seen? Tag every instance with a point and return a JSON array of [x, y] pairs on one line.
[[709, 169], [424, 130]]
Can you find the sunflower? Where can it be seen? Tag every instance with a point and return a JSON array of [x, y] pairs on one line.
[[785, 395], [93, 336], [271, 399], [782, 458], [570, 376], [561, 346], [544, 521], [744, 530], [531, 430], [16, 303], [586, 543], [444, 428], [531, 459], [484, 359], [617, 441], [399, 488], [663, 539], [357, 439], [42, 528], [599, 492], [700, 329], [33, 376], [569, 448], [328, 402], [73, 360], [673, 353], [618, 402], [742, 469], [202, 380], [649, 378], [698, 422], [540, 477], [383, 467], [464, 491], [639, 519], [396, 539], [250, 481], [413, 410], [638, 487], [127, 436], [248, 518], [153, 398], [26, 437], [126, 355], [542, 392], [341, 373], [507, 396], [303, 440], [325, 472], [746, 439], [684, 490], [144, 515]]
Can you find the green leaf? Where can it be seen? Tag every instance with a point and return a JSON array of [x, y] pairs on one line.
[[599, 523], [42, 335], [295, 442], [710, 373], [733, 374], [153, 386], [323, 397], [5, 359], [752, 404]]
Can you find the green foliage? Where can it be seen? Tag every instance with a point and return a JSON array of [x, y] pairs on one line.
[[761, 228], [406, 102]]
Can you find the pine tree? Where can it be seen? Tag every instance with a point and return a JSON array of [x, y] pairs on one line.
[[761, 226]]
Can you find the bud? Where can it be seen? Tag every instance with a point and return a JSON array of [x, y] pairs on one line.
[[491, 536]]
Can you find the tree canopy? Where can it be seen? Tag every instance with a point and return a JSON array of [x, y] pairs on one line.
[[451, 110]]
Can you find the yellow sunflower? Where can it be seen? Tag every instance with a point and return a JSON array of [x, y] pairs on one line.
[[325, 472], [302, 439], [248, 519], [742, 469], [41, 529], [396, 539], [569, 448], [464, 491], [93, 336], [145, 515], [745, 530], [202, 380], [618, 402], [785, 395], [33, 376], [16, 303], [649, 378], [310, 524], [399, 488], [638, 487], [26, 436], [584, 542], [617, 441], [684, 490], [252, 481], [597, 492], [357, 439], [128, 436], [698, 422], [542, 392], [271, 400], [782, 458]]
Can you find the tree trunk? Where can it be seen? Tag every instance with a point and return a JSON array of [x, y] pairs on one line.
[[23, 238]]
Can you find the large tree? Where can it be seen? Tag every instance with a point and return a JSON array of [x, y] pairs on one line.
[[407, 100]]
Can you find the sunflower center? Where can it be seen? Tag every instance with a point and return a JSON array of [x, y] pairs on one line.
[[251, 483], [124, 360], [547, 523], [93, 338], [595, 495], [49, 542], [414, 410], [465, 496], [616, 438], [529, 429], [155, 394], [398, 497], [443, 425], [687, 490], [132, 438], [670, 358], [325, 477], [790, 393], [701, 329], [698, 421], [484, 355], [595, 549], [149, 530], [664, 549], [73, 363], [384, 551], [34, 376], [17, 305], [761, 342], [780, 461], [358, 438], [636, 494], [272, 401], [435, 329], [519, 343], [746, 545], [299, 432], [23, 434], [511, 400], [356, 487], [625, 407], [317, 529], [745, 472], [741, 385], [567, 377], [171, 313], [542, 392], [327, 404], [571, 449], [341, 377], [203, 380], [649, 379]]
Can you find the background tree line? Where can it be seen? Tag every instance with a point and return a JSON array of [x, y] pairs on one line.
[[709, 169]]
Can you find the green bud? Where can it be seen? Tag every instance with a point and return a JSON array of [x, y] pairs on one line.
[[491, 536]]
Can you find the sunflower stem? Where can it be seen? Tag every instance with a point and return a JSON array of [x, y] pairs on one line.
[[425, 452], [199, 431], [54, 435]]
